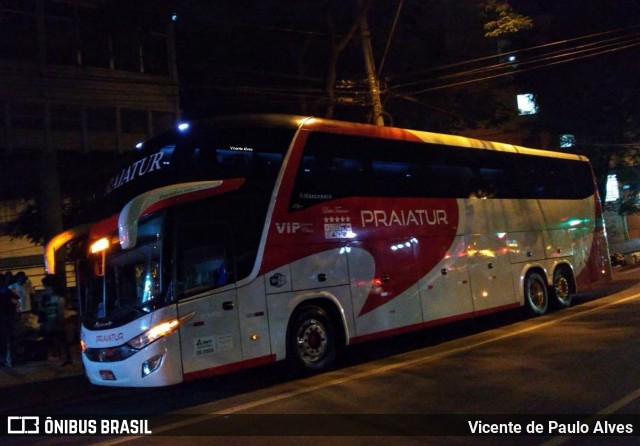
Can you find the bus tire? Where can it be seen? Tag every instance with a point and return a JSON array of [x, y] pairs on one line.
[[536, 295], [562, 290], [311, 340]]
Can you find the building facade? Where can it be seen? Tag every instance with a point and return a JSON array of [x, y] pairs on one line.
[[80, 82]]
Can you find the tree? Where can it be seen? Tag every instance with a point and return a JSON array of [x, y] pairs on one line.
[[502, 19], [80, 177]]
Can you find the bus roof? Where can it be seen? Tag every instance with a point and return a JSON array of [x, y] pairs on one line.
[[311, 123]]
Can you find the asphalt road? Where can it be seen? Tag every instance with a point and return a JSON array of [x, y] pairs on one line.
[[576, 367]]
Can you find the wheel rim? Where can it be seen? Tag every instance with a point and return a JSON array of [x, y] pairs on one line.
[[561, 287], [537, 295], [312, 341]]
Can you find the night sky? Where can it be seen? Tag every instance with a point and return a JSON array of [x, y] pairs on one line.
[[437, 71]]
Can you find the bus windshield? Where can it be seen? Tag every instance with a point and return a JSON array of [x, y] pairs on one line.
[[127, 282]]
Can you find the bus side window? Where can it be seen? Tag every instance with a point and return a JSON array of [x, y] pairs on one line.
[[394, 178], [448, 181], [324, 176], [537, 181]]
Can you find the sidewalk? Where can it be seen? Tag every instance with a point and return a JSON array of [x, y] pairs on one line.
[[39, 371]]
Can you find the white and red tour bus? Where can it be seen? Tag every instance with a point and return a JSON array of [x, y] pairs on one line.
[[236, 242]]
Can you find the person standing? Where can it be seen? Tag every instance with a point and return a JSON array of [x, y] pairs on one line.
[[54, 330], [24, 290], [8, 316]]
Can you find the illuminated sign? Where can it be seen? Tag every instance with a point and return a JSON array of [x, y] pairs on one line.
[[411, 217], [135, 170]]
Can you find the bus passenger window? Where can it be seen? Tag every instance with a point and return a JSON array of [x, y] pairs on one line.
[[325, 177], [394, 178]]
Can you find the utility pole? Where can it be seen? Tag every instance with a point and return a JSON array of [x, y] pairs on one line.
[[372, 80]]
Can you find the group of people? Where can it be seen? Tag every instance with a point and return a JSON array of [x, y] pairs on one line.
[[44, 311]]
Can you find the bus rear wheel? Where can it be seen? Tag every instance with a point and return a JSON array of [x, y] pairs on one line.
[[311, 339], [536, 296], [562, 289]]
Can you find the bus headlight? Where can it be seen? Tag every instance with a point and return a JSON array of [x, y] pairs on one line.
[[109, 354], [153, 334]]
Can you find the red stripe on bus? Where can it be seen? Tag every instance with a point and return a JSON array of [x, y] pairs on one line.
[[229, 368]]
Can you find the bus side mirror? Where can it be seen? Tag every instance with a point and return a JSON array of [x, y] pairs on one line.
[[134, 209]]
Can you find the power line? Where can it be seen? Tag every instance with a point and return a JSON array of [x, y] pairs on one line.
[[517, 53], [533, 64], [608, 43], [393, 28], [522, 70], [553, 55]]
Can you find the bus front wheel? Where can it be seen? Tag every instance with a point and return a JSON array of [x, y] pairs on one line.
[[311, 339], [536, 296]]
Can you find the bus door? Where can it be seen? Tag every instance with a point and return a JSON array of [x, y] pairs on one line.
[[207, 298]]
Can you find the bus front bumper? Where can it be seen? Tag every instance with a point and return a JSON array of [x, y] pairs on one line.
[[158, 364]]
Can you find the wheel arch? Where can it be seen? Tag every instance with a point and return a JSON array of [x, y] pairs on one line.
[[331, 305]]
